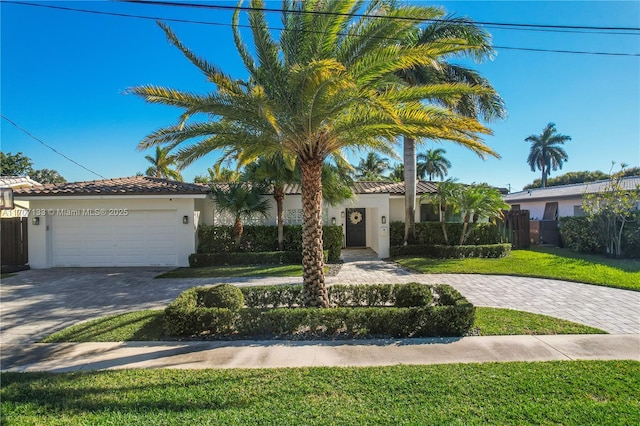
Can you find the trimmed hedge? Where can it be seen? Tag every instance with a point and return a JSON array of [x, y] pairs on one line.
[[453, 252], [449, 314], [219, 239], [199, 260], [430, 233]]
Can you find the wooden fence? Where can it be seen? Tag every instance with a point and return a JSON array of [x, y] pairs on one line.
[[14, 250]]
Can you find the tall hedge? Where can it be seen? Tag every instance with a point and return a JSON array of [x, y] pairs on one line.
[[219, 239], [577, 233], [430, 233]]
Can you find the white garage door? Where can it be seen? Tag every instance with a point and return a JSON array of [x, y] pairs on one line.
[[142, 238]]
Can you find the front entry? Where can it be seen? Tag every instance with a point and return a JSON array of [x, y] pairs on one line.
[[356, 228]]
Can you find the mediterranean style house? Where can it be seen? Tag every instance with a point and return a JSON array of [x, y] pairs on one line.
[[147, 221]]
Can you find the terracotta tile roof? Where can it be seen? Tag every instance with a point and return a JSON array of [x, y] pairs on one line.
[[138, 185], [377, 187], [569, 191]]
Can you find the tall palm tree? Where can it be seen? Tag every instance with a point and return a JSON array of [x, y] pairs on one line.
[[371, 167], [484, 103], [242, 201], [433, 163], [328, 83], [546, 152], [162, 165]]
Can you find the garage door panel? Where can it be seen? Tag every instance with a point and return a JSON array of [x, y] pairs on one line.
[[143, 238]]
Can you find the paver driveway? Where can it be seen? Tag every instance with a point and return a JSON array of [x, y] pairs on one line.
[[36, 303]]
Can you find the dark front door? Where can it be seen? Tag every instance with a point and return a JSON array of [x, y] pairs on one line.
[[356, 228], [14, 249]]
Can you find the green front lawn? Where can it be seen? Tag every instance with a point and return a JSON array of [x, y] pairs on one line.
[[560, 392], [147, 325], [562, 264], [236, 271]]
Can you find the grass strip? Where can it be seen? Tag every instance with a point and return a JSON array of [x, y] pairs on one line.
[[236, 271], [555, 263], [147, 326], [560, 392]]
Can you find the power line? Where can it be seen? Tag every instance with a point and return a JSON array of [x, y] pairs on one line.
[[125, 15], [362, 15], [50, 147]]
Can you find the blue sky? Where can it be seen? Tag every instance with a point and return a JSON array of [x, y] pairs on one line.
[[63, 74]]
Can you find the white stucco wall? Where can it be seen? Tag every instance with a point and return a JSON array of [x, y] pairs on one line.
[[46, 208], [536, 207]]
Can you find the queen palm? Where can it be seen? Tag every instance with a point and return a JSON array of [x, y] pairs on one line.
[[476, 201], [484, 104], [162, 165], [546, 152], [328, 84], [433, 163]]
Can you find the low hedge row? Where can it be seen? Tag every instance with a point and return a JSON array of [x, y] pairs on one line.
[[219, 239], [448, 315], [198, 260], [578, 233], [453, 252], [430, 233]]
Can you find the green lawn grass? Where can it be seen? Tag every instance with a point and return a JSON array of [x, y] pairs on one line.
[[147, 325], [545, 262], [236, 271], [560, 392]]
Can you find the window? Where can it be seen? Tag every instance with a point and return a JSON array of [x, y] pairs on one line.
[[578, 211], [515, 207], [429, 213]]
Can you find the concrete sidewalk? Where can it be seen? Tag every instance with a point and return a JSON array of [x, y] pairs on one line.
[[65, 357]]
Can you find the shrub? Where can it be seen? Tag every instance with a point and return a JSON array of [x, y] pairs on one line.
[[221, 296], [362, 315], [430, 233], [197, 260], [413, 294], [576, 234], [220, 240], [453, 252]]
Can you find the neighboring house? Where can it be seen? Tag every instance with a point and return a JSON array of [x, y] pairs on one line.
[[136, 221], [563, 200], [146, 221]]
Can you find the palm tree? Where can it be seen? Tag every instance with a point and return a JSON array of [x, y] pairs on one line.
[[397, 173], [433, 163], [476, 201], [446, 197], [218, 174], [546, 152], [484, 103], [162, 165], [242, 201], [313, 94], [371, 167], [273, 173]]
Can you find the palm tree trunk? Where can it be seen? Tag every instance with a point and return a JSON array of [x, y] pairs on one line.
[[237, 230], [278, 194], [465, 225], [315, 291], [409, 190], [443, 223]]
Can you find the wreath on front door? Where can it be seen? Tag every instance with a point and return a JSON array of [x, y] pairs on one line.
[[355, 217]]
